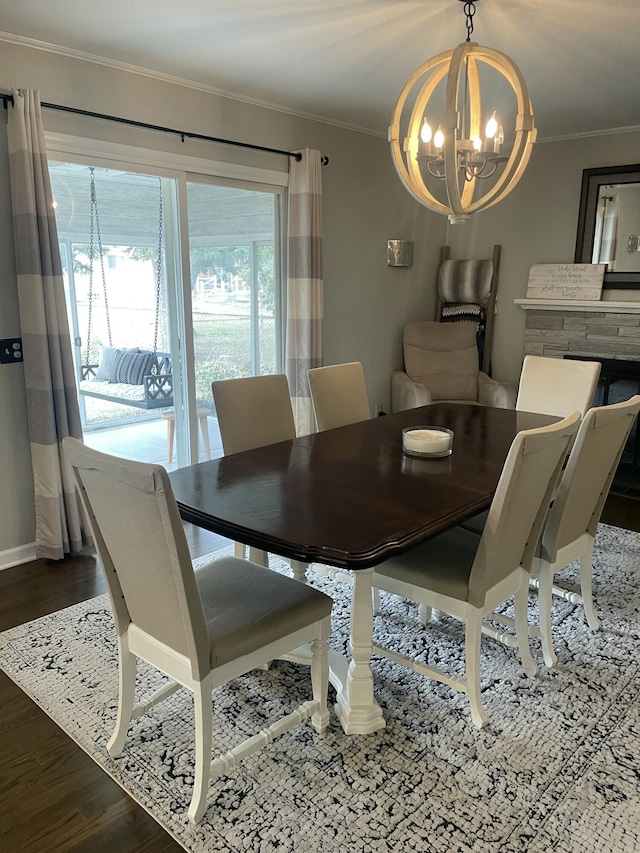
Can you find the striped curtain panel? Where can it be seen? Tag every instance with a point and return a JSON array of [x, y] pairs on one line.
[[304, 283], [48, 365]]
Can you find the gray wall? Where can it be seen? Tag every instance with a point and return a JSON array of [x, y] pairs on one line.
[[366, 302]]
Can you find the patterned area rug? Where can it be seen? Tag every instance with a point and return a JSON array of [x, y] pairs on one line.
[[556, 769]]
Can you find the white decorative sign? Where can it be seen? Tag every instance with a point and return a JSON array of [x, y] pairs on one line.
[[566, 281]]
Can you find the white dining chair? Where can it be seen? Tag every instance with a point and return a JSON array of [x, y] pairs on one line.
[[571, 524], [253, 411], [339, 398], [550, 386], [201, 629], [557, 386], [469, 576], [339, 395]]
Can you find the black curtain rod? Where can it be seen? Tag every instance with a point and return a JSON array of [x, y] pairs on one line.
[[184, 134]]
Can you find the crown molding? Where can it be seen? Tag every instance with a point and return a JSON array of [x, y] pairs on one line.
[[587, 134], [115, 64], [23, 41]]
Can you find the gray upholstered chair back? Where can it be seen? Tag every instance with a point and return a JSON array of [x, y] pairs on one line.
[[339, 395], [143, 550], [556, 386], [444, 357], [253, 411], [514, 523], [587, 479]]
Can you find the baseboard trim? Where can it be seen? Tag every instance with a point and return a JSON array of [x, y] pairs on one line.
[[16, 556]]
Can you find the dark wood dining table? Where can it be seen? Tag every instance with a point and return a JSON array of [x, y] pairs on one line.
[[350, 498]]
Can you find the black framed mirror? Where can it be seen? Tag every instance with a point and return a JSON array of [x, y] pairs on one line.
[[609, 224]]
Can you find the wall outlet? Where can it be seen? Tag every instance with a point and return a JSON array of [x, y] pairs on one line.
[[10, 350]]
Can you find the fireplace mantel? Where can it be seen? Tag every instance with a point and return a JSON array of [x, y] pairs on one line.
[[579, 305]]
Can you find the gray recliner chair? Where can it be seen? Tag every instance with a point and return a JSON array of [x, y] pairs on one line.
[[441, 364]]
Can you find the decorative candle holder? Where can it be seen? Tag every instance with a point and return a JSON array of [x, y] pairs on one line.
[[427, 442]]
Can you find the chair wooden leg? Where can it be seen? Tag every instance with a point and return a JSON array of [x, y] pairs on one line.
[[203, 707], [522, 625], [586, 588], [473, 634], [299, 570], [545, 602], [204, 429], [256, 555], [127, 663], [171, 431], [425, 613], [320, 676]]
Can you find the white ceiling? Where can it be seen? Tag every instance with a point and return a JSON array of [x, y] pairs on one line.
[[347, 60]]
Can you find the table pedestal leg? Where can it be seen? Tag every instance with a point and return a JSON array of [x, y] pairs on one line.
[[356, 707]]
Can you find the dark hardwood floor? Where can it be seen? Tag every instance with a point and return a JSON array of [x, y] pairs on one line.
[[53, 797]]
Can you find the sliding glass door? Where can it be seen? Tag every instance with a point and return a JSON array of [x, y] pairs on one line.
[[234, 270], [172, 281]]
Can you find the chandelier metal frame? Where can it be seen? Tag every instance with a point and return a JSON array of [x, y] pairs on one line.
[[464, 154]]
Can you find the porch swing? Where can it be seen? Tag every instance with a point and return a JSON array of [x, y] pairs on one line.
[[131, 377]]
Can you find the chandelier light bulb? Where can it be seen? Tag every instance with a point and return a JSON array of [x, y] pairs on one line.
[[425, 132], [492, 126], [438, 139]]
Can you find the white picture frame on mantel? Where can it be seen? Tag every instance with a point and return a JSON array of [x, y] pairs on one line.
[[566, 281]]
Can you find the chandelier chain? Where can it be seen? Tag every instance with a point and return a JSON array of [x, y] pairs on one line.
[[92, 250], [469, 10]]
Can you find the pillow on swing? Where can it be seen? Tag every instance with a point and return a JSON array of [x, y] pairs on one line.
[[131, 366], [106, 362]]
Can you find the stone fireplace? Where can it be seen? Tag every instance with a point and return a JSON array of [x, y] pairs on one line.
[[608, 332], [602, 329]]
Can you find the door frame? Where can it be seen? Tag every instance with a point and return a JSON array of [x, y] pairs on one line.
[[179, 168]]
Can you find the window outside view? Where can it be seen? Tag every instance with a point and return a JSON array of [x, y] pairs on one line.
[[122, 289]]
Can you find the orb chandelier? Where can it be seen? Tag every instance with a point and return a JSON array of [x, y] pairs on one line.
[[450, 151]]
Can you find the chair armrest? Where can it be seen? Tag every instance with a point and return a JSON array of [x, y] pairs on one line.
[[493, 393], [407, 394]]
